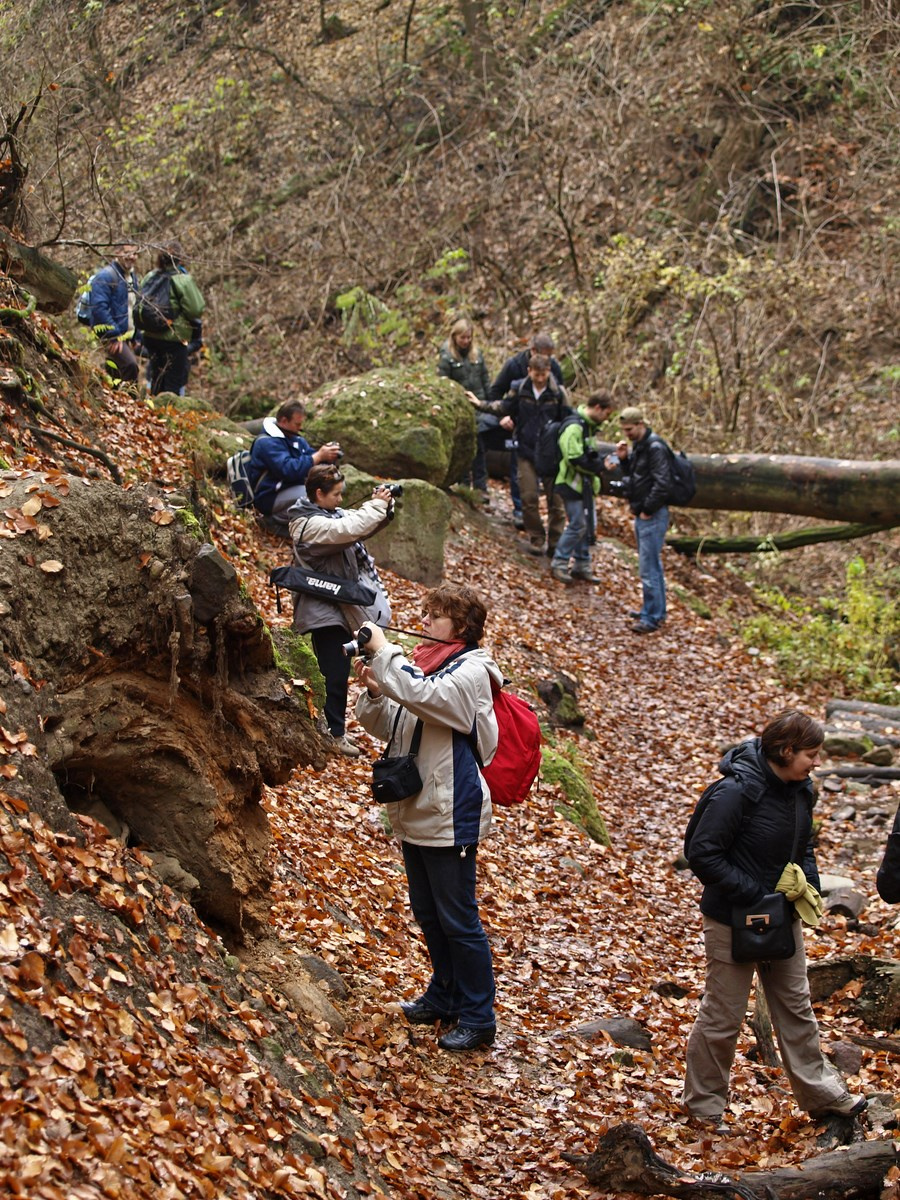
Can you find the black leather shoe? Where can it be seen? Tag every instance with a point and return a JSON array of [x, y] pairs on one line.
[[463, 1038], [417, 1012]]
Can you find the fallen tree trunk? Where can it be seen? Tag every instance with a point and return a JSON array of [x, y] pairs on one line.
[[753, 544], [625, 1161], [860, 493], [873, 774], [887, 711], [52, 284], [832, 489]]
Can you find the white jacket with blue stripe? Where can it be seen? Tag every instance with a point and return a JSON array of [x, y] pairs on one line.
[[454, 806]]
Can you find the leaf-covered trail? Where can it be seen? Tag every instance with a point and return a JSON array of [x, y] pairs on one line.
[[578, 931]]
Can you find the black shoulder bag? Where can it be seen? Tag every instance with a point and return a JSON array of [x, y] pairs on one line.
[[397, 778], [764, 931]]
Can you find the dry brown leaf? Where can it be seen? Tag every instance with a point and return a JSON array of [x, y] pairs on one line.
[[52, 566]]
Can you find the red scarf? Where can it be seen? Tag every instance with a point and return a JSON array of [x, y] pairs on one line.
[[429, 657]]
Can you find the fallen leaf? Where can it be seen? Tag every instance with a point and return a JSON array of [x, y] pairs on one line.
[[52, 566]]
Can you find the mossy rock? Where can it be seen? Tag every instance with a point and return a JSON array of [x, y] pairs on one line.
[[294, 657], [398, 423], [412, 545], [564, 769]]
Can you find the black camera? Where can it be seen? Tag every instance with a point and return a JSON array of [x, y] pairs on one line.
[[339, 456], [359, 643], [396, 489], [617, 486]]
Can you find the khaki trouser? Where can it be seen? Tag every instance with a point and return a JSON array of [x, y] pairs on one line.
[[713, 1039], [530, 489]]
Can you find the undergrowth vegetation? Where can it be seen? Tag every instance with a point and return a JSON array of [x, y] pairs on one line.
[[850, 642]]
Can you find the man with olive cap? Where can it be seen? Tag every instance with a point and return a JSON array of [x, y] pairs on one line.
[[646, 485]]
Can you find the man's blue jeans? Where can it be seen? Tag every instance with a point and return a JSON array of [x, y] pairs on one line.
[[442, 894], [573, 542], [650, 534]]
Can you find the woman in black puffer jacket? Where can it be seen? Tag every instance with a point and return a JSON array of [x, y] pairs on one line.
[[739, 850]]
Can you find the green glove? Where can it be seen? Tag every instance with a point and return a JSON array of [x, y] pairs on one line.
[[801, 893]]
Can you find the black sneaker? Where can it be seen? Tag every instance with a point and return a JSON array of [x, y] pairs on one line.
[[419, 1012], [464, 1038]]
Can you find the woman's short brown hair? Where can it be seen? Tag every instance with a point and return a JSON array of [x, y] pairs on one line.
[[323, 477], [790, 730], [462, 605]]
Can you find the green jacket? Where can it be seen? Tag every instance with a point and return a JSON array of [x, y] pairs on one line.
[[187, 306], [576, 439]]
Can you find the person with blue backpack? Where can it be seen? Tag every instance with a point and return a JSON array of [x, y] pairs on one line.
[[281, 458], [110, 307]]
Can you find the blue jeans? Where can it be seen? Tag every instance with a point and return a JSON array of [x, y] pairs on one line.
[[573, 542], [442, 894], [650, 534]]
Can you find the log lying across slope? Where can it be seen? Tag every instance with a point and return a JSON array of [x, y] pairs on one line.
[[625, 1161], [828, 488]]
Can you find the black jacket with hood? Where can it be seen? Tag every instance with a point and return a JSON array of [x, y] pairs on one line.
[[647, 472], [743, 839], [888, 879]]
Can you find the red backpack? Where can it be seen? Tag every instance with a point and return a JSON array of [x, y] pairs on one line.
[[513, 769]]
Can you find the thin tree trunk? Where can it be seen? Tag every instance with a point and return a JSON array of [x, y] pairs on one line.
[[747, 544]]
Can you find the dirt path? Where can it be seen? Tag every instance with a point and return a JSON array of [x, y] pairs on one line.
[[579, 932]]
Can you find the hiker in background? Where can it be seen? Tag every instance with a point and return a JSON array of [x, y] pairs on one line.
[[532, 401], [463, 362], [577, 484], [646, 485], [756, 816], [280, 460], [446, 687], [181, 306], [327, 541], [511, 373], [112, 292]]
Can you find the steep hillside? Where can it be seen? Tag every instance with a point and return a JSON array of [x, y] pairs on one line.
[[142, 1055], [697, 199]]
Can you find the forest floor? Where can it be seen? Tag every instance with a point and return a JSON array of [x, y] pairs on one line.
[[579, 931]]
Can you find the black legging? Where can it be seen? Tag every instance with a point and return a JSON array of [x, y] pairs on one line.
[[335, 667]]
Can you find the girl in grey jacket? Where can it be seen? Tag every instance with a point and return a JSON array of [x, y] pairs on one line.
[[327, 541]]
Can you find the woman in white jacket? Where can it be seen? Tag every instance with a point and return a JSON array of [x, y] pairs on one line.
[[447, 687]]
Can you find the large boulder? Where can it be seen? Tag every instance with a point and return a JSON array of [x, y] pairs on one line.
[[398, 423], [412, 545]]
